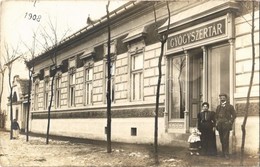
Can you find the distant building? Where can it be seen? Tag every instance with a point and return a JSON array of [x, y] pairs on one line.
[[19, 101], [18, 73], [208, 52]]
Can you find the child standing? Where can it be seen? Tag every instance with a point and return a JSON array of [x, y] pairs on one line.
[[194, 140]]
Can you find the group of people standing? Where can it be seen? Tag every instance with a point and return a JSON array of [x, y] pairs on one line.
[[209, 121]]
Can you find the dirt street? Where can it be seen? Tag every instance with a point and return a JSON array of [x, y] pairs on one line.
[[18, 152]]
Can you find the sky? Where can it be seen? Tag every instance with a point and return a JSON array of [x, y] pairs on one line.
[[19, 19]]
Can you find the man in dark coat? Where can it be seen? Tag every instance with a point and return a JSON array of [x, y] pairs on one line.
[[225, 117], [16, 128]]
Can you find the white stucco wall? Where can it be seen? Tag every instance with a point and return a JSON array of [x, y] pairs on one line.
[[243, 65], [95, 129], [252, 134]]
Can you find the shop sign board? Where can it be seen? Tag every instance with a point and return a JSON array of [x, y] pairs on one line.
[[200, 34]]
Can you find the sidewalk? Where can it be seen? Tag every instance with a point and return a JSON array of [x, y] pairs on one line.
[[79, 152]]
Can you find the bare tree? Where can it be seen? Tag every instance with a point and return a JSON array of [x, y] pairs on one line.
[[51, 43], [108, 83], [11, 54], [179, 65], [243, 126], [30, 68], [162, 38], [2, 72]]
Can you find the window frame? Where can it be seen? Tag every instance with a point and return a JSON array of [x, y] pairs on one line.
[[36, 95], [137, 72], [88, 99], [58, 82], [112, 79], [72, 86], [46, 93], [113, 54], [72, 82]]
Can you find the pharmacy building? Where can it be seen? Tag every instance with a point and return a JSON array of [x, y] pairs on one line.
[[208, 52]]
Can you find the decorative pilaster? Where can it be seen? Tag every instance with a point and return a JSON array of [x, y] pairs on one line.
[[205, 74], [186, 112], [231, 70], [167, 94]]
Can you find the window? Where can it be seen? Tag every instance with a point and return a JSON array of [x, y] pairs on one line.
[[46, 93], [88, 85], [219, 73], [36, 95], [137, 77], [72, 81], [46, 88], [133, 131], [14, 97], [112, 72], [105, 130], [177, 92], [58, 91], [113, 52], [16, 114], [185, 85]]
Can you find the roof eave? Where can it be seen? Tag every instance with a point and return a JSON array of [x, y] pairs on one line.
[[88, 30]]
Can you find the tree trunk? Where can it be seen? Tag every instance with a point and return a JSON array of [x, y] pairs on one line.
[[163, 41], [157, 104], [243, 126], [108, 85], [11, 102], [158, 98], [179, 81], [49, 108], [29, 104], [2, 88], [2, 115]]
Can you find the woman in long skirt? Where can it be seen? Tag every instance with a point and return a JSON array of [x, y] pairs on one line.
[[206, 125]]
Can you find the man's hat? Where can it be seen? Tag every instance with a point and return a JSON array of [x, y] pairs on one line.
[[223, 94]]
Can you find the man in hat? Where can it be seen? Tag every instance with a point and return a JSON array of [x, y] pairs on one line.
[[225, 117]]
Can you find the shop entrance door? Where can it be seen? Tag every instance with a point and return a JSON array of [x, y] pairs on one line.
[[195, 76], [195, 84]]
